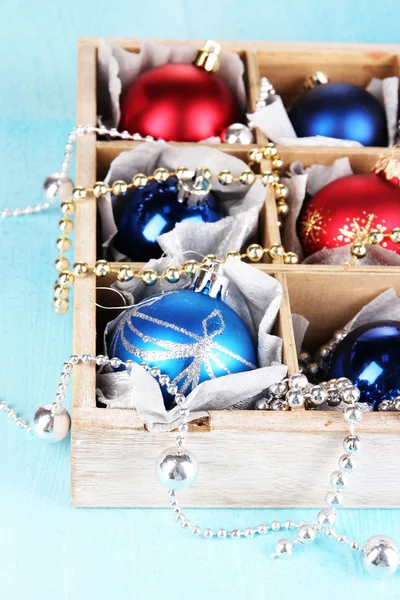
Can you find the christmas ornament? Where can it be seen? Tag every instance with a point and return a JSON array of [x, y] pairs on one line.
[[150, 211], [347, 211], [190, 335], [181, 102], [238, 133], [339, 110], [370, 357], [381, 556]]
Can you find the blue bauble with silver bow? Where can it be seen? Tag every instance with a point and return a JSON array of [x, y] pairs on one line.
[[370, 357], [148, 212], [191, 335], [339, 110]]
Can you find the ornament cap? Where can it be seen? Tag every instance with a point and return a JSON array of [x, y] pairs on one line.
[[388, 167], [315, 79], [209, 280], [207, 58], [194, 187]]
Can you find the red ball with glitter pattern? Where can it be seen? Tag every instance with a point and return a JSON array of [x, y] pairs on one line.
[[348, 208], [178, 102]]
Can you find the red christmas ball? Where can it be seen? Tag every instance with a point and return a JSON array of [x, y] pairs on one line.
[[178, 102], [345, 208]]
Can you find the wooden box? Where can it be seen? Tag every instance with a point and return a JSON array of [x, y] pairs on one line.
[[247, 458]]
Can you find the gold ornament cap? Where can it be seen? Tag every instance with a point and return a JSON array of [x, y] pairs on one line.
[[207, 58], [389, 168], [316, 79]]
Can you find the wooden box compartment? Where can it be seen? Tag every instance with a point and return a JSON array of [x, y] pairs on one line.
[[247, 458]]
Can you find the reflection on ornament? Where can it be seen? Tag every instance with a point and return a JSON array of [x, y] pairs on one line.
[[347, 210], [238, 133], [181, 102], [189, 335], [146, 213], [339, 110], [370, 357]]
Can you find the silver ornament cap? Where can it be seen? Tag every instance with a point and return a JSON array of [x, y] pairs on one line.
[[380, 556], [237, 133], [176, 469], [194, 188], [51, 423], [209, 279]]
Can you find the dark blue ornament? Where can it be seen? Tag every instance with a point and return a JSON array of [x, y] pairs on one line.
[[148, 212], [188, 335], [340, 110], [370, 357]]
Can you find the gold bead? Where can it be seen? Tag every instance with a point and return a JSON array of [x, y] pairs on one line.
[[60, 305], [210, 257], [281, 191], [276, 251], [148, 276], [68, 207], [269, 178], [232, 254], [101, 268], [140, 180], [125, 273], [99, 189], [225, 177], [66, 278], [182, 172], [66, 225], [80, 269], [257, 155], [247, 177], [190, 267], [290, 258], [255, 252], [270, 151], [206, 172], [119, 187], [79, 193], [277, 163], [161, 174], [395, 235], [358, 250], [63, 244], [62, 263], [282, 209], [376, 236], [60, 292], [172, 274]]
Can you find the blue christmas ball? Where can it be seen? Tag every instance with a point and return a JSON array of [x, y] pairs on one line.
[[188, 335], [370, 357], [148, 212], [340, 110]]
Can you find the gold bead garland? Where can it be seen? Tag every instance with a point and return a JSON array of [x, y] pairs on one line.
[[172, 274]]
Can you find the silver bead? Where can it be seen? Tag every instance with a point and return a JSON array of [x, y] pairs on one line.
[[326, 517], [342, 382], [341, 538], [314, 370], [304, 358], [176, 469], [186, 524], [385, 406], [262, 529], [51, 422], [289, 524], [278, 389], [350, 394], [261, 404], [235, 533], [275, 526], [339, 335], [295, 398], [353, 414], [339, 480], [347, 463], [306, 533], [396, 404], [249, 532], [222, 534], [237, 133], [354, 545], [325, 352], [196, 530], [298, 381], [284, 548], [208, 533], [334, 499], [352, 444], [318, 395], [58, 186], [380, 556]]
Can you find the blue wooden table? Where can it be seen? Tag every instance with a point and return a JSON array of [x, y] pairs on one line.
[[49, 550]]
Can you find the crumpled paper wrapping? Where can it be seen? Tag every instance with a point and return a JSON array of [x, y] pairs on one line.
[[385, 307], [256, 297], [310, 181], [241, 203], [118, 68], [274, 122]]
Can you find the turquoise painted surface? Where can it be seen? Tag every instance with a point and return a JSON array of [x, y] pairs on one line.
[[47, 549]]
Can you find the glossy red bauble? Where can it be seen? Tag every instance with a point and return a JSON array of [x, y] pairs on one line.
[[337, 213], [178, 102]]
